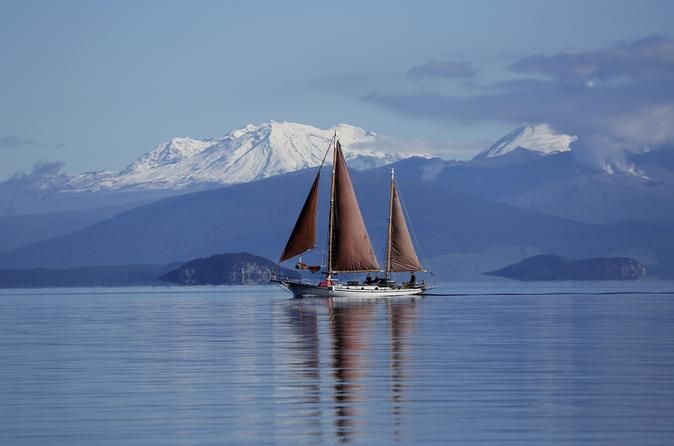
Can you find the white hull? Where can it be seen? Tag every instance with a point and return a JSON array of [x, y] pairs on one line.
[[352, 291]]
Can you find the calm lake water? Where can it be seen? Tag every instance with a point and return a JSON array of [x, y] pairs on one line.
[[554, 364]]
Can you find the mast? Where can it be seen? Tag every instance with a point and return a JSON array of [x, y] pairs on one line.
[[390, 227], [332, 207]]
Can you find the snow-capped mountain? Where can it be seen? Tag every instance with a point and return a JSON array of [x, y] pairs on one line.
[[538, 138], [246, 154]]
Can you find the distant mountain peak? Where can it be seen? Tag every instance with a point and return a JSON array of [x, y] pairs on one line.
[[538, 138], [249, 153], [169, 152]]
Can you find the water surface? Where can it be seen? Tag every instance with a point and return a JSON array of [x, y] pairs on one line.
[[498, 363]]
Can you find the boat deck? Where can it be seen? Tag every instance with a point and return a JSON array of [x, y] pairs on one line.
[[299, 289]]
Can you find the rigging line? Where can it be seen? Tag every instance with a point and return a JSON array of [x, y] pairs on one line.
[[325, 156]]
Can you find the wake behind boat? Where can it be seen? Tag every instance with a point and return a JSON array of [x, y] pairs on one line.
[[349, 248]]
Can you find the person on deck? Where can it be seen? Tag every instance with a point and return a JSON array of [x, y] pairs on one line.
[[368, 279], [413, 280]]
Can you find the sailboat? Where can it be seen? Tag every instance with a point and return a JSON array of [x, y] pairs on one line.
[[349, 249]]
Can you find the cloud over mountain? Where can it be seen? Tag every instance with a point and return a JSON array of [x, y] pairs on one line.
[[650, 58], [442, 69], [13, 142], [615, 99], [42, 172]]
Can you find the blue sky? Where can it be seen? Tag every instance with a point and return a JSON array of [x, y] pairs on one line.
[[95, 84]]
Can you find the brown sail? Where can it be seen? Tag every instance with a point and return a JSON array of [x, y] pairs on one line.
[[303, 237], [351, 249], [402, 256]]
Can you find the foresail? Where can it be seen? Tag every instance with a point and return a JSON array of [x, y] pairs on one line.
[[303, 237], [351, 247], [403, 256]]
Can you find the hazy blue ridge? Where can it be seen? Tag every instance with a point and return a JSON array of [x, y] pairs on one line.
[[21, 230], [91, 276], [258, 216]]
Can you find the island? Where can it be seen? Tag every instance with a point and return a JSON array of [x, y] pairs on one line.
[[552, 267], [225, 269]]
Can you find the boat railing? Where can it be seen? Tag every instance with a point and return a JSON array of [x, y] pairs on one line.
[[288, 279]]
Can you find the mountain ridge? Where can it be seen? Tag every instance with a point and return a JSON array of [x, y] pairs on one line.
[[235, 218], [183, 165], [245, 154]]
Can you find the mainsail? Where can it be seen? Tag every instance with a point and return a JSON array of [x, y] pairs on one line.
[[401, 254], [303, 237], [350, 248]]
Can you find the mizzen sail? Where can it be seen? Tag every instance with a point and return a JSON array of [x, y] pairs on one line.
[[351, 249], [303, 237], [402, 256]]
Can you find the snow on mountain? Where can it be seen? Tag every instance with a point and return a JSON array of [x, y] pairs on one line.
[[544, 140], [246, 154], [170, 152], [539, 138], [615, 166]]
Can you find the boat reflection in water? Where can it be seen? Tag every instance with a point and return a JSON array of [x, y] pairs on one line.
[[305, 364], [355, 344], [402, 318], [350, 345]]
